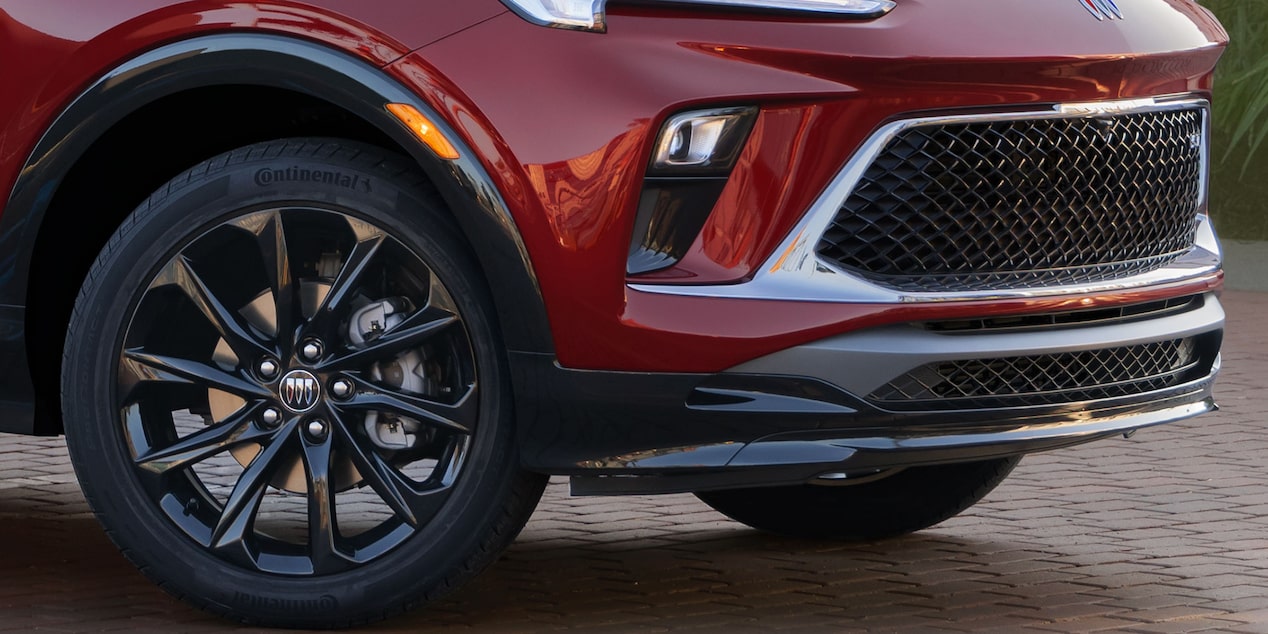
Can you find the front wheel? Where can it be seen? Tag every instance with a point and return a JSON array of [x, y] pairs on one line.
[[889, 505], [284, 395]]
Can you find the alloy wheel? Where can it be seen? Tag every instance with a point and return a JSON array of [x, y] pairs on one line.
[[297, 391]]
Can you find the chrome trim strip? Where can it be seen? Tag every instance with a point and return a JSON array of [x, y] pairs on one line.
[[1079, 428], [851, 8], [922, 445], [795, 273], [862, 361]]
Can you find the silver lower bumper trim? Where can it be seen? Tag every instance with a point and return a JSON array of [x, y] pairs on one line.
[[862, 361], [895, 451]]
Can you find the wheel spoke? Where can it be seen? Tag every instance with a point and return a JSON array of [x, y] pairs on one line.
[[237, 519], [326, 317], [411, 333], [145, 367], [459, 417], [205, 443], [413, 506], [271, 237], [231, 538], [323, 533], [240, 339]]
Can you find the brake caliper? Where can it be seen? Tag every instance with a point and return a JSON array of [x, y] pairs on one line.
[[407, 372]]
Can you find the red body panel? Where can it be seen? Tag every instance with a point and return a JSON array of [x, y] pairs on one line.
[[823, 86], [563, 121], [60, 56]]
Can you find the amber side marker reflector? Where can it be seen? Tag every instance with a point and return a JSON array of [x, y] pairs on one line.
[[424, 129]]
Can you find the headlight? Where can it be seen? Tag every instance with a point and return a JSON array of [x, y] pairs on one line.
[[587, 15], [840, 8]]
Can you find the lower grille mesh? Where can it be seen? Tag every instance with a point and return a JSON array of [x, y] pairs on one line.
[[1042, 379]]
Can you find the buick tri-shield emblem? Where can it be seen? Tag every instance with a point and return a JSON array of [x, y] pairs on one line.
[[299, 391], [1103, 9]]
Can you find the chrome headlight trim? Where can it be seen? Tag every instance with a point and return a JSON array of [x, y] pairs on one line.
[[579, 15], [589, 15], [825, 8]]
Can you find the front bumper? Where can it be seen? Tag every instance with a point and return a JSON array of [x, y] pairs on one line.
[[697, 376], [798, 414]]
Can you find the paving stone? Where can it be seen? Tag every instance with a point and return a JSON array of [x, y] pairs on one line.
[[1165, 532]]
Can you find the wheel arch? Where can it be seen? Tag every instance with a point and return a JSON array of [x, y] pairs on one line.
[[43, 205]]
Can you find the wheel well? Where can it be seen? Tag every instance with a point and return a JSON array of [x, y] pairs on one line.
[[123, 167]]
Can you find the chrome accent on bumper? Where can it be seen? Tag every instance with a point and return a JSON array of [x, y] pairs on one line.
[[860, 362], [794, 271], [896, 451]]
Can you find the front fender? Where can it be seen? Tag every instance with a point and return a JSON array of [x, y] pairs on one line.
[[264, 60]]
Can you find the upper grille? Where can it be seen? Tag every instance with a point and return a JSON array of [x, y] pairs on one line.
[[993, 205], [1043, 379]]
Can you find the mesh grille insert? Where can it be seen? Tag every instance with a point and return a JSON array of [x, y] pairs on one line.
[[1002, 204], [1043, 379]]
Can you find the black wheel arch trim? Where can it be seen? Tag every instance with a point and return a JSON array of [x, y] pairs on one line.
[[280, 62]]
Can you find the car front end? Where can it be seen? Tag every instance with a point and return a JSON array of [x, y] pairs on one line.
[[347, 282], [946, 230]]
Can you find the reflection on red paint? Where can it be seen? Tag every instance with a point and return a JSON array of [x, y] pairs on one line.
[[584, 195]]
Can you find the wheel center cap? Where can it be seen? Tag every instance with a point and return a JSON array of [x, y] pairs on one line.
[[299, 390]]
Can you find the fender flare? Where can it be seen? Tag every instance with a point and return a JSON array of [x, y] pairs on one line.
[[301, 66]]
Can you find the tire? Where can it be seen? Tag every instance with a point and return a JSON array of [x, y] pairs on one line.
[[906, 501], [245, 444]]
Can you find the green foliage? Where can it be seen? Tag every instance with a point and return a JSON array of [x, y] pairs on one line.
[[1239, 171], [1241, 110]]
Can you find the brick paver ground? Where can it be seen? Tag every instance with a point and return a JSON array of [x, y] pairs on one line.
[[1165, 532]]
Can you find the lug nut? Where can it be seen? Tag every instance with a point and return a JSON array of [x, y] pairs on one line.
[[270, 417], [311, 350], [341, 388], [317, 429], [267, 368]]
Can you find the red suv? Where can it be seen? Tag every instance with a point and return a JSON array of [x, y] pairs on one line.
[[320, 292]]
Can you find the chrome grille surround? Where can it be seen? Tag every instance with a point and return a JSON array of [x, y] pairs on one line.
[[795, 272], [1001, 204]]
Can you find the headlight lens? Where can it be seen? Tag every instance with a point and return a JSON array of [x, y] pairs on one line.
[[587, 15]]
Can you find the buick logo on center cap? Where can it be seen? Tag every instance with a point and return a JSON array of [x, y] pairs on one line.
[[299, 390]]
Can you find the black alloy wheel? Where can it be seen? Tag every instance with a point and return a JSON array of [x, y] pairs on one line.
[[282, 369]]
